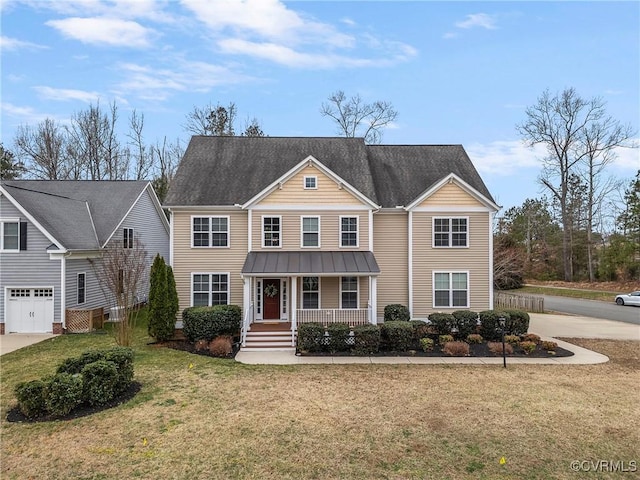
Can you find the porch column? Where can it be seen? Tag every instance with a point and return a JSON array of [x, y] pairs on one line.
[[373, 299], [246, 297], [293, 301]]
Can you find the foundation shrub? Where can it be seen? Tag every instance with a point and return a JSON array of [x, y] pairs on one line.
[[31, 398], [466, 321], [397, 336], [74, 365], [64, 392], [201, 345], [531, 337], [456, 349], [527, 346], [474, 338], [517, 323], [366, 339], [426, 344], [122, 357], [489, 325], [311, 337], [420, 329], [512, 339], [496, 348], [548, 346], [207, 323], [221, 346], [99, 382], [338, 336], [396, 313], [442, 322], [442, 339]]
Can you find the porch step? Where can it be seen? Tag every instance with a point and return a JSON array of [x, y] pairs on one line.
[[268, 340]]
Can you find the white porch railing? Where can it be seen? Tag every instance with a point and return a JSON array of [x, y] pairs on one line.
[[350, 316], [248, 318]]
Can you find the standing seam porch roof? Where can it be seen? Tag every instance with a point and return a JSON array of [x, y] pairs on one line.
[[312, 263]]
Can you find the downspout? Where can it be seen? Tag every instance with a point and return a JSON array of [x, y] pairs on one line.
[[63, 290]]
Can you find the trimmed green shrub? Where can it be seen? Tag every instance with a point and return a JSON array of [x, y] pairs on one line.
[[474, 338], [397, 336], [420, 329], [456, 349], [366, 339], [442, 339], [207, 323], [396, 313], [466, 322], [338, 336], [311, 337], [426, 344], [63, 393], [100, 382], [442, 322], [528, 346], [489, 324], [123, 359], [517, 323], [31, 398], [74, 365]]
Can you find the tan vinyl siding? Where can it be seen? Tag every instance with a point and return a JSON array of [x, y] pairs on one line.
[[329, 292], [427, 259], [328, 192], [187, 260], [390, 246], [450, 194], [290, 231]]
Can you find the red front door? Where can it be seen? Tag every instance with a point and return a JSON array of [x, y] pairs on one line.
[[271, 299]]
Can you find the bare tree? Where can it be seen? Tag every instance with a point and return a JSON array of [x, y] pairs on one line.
[[141, 154], [43, 149], [354, 117], [210, 120], [165, 157], [561, 123]]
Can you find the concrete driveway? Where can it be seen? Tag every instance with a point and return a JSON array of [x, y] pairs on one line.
[[15, 341], [581, 327]]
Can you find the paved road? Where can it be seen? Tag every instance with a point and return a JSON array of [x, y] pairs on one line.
[[592, 308]]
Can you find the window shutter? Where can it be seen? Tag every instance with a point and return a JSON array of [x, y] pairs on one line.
[[23, 235]]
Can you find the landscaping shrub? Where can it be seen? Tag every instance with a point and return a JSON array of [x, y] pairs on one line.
[[531, 337], [99, 382], [512, 339], [207, 323], [338, 337], [396, 313], [548, 346], [74, 365], [311, 337], [489, 325], [161, 325], [420, 329], [366, 339], [426, 344], [201, 345], [442, 339], [474, 338], [221, 346], [517, 323], [31, 398], [496, 348], [123, 359], [442, 322], [456, 349], [527, 346], [397, 336], [63, 394], [466, 322]]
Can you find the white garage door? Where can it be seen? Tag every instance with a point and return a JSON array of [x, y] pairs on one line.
[[29, 310]]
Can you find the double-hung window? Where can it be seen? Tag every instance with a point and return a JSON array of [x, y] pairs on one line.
[[451, 289], [348, 231], [127, 241], [271, 231], [81, 288], [10, 235], [211, 232], [349, 292], [310, 293], [450, 232], [310, 231], [210, 289]]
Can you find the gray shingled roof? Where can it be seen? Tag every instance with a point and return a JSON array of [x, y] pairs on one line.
[[79, 214], [277, 263], [232, 170]]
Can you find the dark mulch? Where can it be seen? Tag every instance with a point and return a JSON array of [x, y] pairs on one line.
[[186, 346], [15, 415]]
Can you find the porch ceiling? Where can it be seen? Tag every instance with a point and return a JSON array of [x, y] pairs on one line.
[[310, 263]]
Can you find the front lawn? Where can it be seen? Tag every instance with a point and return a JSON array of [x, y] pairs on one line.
[[200, 417]]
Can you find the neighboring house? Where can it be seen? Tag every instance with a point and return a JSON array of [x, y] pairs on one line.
[[329, 229], [52, 233]]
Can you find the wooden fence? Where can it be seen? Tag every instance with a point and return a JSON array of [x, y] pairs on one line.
[[528, 303], [84, 321]]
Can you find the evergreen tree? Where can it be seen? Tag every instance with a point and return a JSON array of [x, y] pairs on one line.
[[172, 294], [159, 302]]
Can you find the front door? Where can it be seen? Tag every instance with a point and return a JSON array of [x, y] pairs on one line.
[[271, 299]]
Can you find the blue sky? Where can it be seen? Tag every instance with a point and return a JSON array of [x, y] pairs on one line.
[[457, 72]]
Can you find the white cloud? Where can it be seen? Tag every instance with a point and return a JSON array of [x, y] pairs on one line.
[[65, 94], [628, 158], [478, 20], [504, 157], [104, 30], [450, 35], [8, 44], [26, 115]]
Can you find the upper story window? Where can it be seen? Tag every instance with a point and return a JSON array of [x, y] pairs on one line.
[[127, 238], [348, 231], [310, 231], [310, 182], [211, 232], [271, 231], [10, 235], [450, 232]]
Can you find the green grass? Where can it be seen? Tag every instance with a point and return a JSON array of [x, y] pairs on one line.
[[568, 292], [199, 417]]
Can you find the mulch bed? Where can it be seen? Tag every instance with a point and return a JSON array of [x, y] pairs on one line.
[[15, 415], [186, 346]]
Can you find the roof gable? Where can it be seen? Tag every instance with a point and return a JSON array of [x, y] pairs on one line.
[[470, 195]]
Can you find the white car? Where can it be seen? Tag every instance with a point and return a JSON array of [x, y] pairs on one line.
[[632, 298]]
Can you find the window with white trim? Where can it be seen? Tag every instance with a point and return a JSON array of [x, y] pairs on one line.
[[310, 231], [81, 288], [310, 182], [127, 237], [450, 232], [349, 292], [210, 232], [271, 231], [451, 289], [210, 289], [348, 231], [10, 235], [310, 293]]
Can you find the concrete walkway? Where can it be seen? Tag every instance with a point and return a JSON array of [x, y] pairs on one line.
[[14, 341]]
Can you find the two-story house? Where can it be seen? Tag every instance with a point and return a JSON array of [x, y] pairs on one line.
[[52, 236], [329, 230]]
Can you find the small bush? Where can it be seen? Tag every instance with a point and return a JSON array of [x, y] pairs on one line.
[[420, 329], [517, 323], [63, 394], [338, 337], [442, 322], [207, 323], [396, 313], [311, 337], [221, 346], [201, 345], [31, 398], [528, 347], [99, 382], [426, 344], [496, 348], [123, 359], [456, 349], [489, 324], [474, 338], [398, 336], [74, 365], [548, 346], [466, 322], [442, 339], [366, 339], [531, 337], [512, 339]]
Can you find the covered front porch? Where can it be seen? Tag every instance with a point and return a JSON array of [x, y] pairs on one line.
[[293, 288]]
